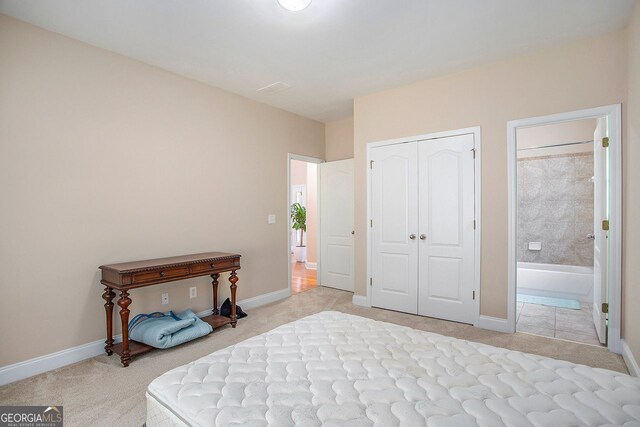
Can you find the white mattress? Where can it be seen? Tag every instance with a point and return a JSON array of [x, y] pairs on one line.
[[335, 369]]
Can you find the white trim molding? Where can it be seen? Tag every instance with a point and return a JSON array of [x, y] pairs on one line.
[[28, 368], [614, 115], [493, 324], [477, 141], [361, 300], [629, 359]]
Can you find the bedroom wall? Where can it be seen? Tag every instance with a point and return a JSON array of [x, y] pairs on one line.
[[105, 159], [339, 140], [583, 74], [631, 197]]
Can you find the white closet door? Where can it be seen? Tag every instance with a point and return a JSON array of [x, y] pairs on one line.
[[600, 244], [447, 235], [336, 224], [394, 212]]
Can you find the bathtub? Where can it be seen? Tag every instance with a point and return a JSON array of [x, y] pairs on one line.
[[560, 281]]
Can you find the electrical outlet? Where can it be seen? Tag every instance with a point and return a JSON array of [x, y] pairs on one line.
[[193, 292], [165, 299], [271, 219]]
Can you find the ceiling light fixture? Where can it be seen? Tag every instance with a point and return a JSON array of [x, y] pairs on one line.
[[294, 5]]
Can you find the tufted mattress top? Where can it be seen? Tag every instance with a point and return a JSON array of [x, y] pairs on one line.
[[335, 369]]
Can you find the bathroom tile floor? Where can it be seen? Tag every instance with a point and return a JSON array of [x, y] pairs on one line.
[[555, 322]]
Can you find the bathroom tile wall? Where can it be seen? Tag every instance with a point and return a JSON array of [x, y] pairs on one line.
[[555, 207]]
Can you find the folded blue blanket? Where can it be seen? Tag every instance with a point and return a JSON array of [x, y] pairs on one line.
[[164, 330]]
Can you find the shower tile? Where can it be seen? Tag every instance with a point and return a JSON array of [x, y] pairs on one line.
[[583, 190], [584, 253], [559, 167], [557, 189], [582, 229], [584, 166], [584, 211], [555, 207]]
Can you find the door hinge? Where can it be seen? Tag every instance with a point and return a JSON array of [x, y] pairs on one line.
[[370, 164], [605, 142], [474, 295], [605, 307], [474, 224], [370, 281], [473, 150], [605, 225], [370, 223]]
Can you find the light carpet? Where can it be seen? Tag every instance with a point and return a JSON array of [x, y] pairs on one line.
[[99, 392]]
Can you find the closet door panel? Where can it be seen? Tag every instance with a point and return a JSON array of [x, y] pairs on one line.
[[394, 211], [447, 235]]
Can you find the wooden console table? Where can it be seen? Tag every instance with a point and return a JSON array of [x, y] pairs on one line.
[[129, 275]]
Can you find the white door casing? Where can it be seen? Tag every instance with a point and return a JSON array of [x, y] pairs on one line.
[[394, 212], [446, 221], [600, 243], [336, 224]]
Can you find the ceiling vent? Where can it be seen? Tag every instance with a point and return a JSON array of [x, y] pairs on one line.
[[274, 88]]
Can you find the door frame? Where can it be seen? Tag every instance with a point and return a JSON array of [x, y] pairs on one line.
[[614, 275], [477, 143], [293, 156]]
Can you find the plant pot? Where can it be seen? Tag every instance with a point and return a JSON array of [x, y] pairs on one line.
[[300, 253]]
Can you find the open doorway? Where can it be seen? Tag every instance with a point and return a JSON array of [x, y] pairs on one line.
[[303, 224], [564, 275]]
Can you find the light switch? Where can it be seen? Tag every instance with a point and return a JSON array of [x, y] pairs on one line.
[[271, 219]]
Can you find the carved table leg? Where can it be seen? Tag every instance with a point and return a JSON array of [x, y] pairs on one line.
[[233, 278], [124, 302], [214, 283], [108, 296]]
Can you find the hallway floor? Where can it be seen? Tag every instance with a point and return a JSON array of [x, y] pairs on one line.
[[555, 322], [302, 278]]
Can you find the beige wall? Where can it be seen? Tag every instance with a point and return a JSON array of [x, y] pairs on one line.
[[339, 140], [105, 159], [298, 173], [585, 74], [631, 197], [558, 133]]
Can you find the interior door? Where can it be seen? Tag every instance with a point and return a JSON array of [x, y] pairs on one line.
[[447, 235], [394, 227], [336, 224], [600, 243]]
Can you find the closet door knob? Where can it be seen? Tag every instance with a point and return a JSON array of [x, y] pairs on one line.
[[423, 236], [412, 236]]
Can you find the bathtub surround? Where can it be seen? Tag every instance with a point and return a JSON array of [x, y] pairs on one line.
[[555, 280], [555, 208]]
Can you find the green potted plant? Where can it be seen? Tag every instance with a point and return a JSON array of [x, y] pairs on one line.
[[299, 223]]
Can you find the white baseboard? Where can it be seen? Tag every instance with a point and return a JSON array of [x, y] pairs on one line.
[[28, 368], [38, 365], [264, 299], [494, 324], [360, 300], [631, 362], [311, 265]]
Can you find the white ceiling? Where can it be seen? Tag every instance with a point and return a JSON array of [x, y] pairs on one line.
[[330, 52]]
